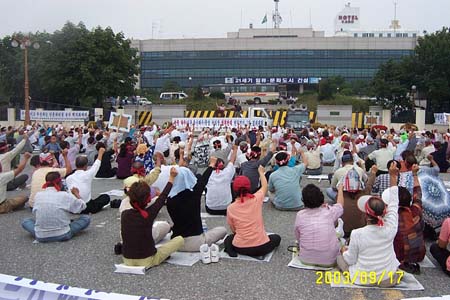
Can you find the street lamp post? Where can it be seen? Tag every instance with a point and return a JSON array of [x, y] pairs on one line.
[[24, 43]]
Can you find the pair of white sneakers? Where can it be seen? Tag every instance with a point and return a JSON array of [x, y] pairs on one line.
[[209, 254]]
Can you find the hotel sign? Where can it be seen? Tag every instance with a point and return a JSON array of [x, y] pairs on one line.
[[346, 19], [272, 80]]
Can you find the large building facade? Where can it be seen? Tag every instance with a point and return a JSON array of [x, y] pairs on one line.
[[295, 56]]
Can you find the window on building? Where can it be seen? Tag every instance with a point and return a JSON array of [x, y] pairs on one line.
[[389, 35], [355, 35], [380, 35], [365, 35], [334, 113], [414, 35], [371, 35], [398, 35], [405, 35]]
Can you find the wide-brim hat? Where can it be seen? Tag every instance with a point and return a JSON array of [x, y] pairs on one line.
[[388, 195]]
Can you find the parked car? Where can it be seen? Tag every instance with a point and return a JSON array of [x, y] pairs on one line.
[[172, 95], [144, 101]]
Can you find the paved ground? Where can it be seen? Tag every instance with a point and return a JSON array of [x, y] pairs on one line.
[[88, 261]]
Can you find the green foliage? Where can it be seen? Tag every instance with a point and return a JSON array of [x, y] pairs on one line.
[[250, 101], [171, 86], [273, 101], [197, 93], [217, 95], [428, 70], [330, 86], [73, 65]]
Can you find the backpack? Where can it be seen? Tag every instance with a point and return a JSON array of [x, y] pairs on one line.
[[352, 182]]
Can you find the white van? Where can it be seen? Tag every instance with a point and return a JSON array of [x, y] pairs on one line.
[[173, 95]]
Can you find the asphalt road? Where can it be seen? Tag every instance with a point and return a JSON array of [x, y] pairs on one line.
[[88, 261]]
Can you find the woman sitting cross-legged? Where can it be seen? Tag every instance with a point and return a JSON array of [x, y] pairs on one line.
[[314, 227], [371, 248], [138, 246], [245, 219]]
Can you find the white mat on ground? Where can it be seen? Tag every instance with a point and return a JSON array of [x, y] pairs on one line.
[[206, 215], [187, 259], [114, 193], [408, 283], [121, 268], [296, 263], [427, 263], [267, 257]]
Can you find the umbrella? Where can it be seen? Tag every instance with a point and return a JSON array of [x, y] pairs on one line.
[[409, 127], [435, 200]]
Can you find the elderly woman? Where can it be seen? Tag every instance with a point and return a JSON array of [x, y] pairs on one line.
[[244, 216], [138, 247], [371, 248], [314, 227]]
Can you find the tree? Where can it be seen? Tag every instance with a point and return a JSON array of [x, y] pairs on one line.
[[328, 87], [171, 86], [197, 93]]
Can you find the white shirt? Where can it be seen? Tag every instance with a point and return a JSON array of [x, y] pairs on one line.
[[150, 134], [371, 248], [218, 195], [328, 153], [382, 156], [83, 181]]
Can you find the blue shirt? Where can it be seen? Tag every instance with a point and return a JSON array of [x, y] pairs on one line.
[[285, 182]]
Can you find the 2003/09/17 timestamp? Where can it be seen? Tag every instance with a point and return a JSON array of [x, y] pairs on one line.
[[360, 277]]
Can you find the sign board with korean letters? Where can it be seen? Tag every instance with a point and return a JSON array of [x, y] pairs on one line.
[[442, 119], [56, 115], [120, 122], [272, 80], [199, 123]]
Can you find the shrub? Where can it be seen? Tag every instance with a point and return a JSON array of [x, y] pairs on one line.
[[250, 101], [217, 95], [273, 101]]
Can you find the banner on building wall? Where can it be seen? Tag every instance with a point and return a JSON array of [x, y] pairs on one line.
[[56, 115], [218, 122], [272, 80], [12, 287], [442, 119]]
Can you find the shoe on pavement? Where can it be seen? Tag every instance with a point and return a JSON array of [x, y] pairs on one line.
[[205, 254], [214, 252]]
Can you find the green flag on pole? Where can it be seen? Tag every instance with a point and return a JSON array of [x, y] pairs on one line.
[[264, 19]]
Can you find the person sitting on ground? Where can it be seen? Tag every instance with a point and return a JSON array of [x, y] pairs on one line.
[[106, 170], [138, 172], [244, 216], [409, 243], [427, 150], [249, 168], [348, 164], [53, 147], [219, 152], [314, 161], [315, 227], [138, 248], [82, 179], [440, 155], [371, 247], [6, 158], [218, 190], [382, 156], [9, 204], [184, 207], [52, 212], [91, 152], [72, 153], [439, 249], [124, 160], [145, 156], [383, 181], [43, 165], [285, 182]]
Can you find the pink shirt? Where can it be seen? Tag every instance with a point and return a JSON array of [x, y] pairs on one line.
[[246, 221], [316, 234], [445, 236]]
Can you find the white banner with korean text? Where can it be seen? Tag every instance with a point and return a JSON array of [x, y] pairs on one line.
[[56, 115], [200, 123]]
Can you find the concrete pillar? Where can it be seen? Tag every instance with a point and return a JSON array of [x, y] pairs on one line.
[[301, 89], [420, 118], [386, 118], [11, 115], [97, 113]]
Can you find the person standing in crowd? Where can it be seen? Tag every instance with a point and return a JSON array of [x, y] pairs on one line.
[[382, 156], [6, 158]]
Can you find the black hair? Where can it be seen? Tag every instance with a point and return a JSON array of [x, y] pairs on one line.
[[392, 161], [123, 150], [405, 154], [91, 140], [100, 145], [404, 197], [312, 196], [81, 161], [280, 156], [34, 161], [138, 193], [176, 154], [177, 139], [51, 176], [64, 145]]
